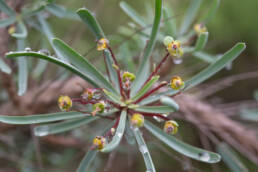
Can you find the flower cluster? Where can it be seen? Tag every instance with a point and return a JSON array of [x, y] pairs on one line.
[[100, 101]]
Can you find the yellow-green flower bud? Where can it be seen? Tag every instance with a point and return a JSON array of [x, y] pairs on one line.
[[99, 142], [176, 83], [11, 30], [171, 127], [127, 76], [174, 49], [200, 28], [167, 40], [137, 120], [102, 44], [65, 103], [88, 94], [98, 108]]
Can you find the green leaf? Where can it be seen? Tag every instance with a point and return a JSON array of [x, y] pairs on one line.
[[169, 22], [87, 160], [219, 64], [181, 147], [22, 31], [250, 115], [53, 60], [212, 69], [91, 22], [112, 71], [118, 135], [95, 28], [91, 154], [6, 9], [154, 109], [46, 30], [132, 13], [47, 129], [129, 135], [144, 150], [190, 15], [61, 11], [4, 67], [169, 102], [201, 41], [82, 64], [8, 21], [143, 70], [204, 56], [39, 69], [230, 158], [22, 69], [211, 12], [145, 88], [113, 97], [35, 119]]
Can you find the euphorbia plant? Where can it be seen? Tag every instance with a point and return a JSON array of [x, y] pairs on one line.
[[122, 97]]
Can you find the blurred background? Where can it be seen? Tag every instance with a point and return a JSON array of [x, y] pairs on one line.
[[235, 21]]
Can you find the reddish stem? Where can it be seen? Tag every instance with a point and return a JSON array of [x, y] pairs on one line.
[[150, 92], [157, 68], [117, 71]]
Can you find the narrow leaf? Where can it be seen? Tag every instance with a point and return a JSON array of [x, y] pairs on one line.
[[6, 9], [47, 129], [53, 60], [201, 41], [211, 12], [91, 154], [169, 102], [169, 22], [4, 67], [190, 15], [145, 88], [34, 119], [39, 69], [22, 69], [155, 109], [144, 150], [132, 13], [46, 30], [82, 64], [230, 158], [212, 69], [181, 147], [113, 97], [118, 135], [8, 21], [143, 70], [95, 28], [91, 22], [204, 56], [61, 11]]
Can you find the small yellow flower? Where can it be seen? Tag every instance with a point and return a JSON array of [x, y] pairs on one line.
[[98, 108], [127, 76], [99, 142], [102, 44], [200, 28], [88, 94], [65, 103], [176, 83], [137, 120], [171, 127], [11, 30], [174, 49]]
